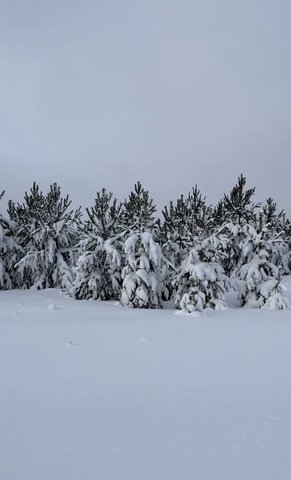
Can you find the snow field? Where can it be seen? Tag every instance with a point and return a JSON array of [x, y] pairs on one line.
[[94, 391]]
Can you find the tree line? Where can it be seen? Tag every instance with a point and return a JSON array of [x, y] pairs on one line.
[[120, 251]]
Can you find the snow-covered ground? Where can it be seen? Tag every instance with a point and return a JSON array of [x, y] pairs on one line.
[[94, 391]]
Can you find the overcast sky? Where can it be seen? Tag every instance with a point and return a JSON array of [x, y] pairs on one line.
[[100, 93]]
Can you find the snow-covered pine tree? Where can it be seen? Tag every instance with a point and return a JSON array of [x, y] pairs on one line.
[[280, 252], [170, 255], [184, 224], [214, 248], [236, 252], [47, 232], [98, 269], [171, 252], [138, 211], [172, 231], [239, 207], [231, 236], [9, 254], [259, 279], [218, 215], [232, 217], [200, 284], [269, 217], [275, 222], [199, 222], [141, 286], [187, 220], [276, 300]]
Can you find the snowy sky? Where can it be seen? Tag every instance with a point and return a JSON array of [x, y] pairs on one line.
[[172, 92]]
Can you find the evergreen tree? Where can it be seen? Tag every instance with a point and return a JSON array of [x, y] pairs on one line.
[[239, 207], [200, 284], [258, 276], [214, 248], [105, 216], [185, 224], [172, 231], [187, 220], [218, 215], [98, 270], [199, 214], [232, 237], [269, 218], [141, 287], [138, 211], [47, 233], [275, 298], [9, 254], [170, 254]]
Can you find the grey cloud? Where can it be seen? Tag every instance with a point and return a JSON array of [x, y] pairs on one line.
[[102, 93]]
